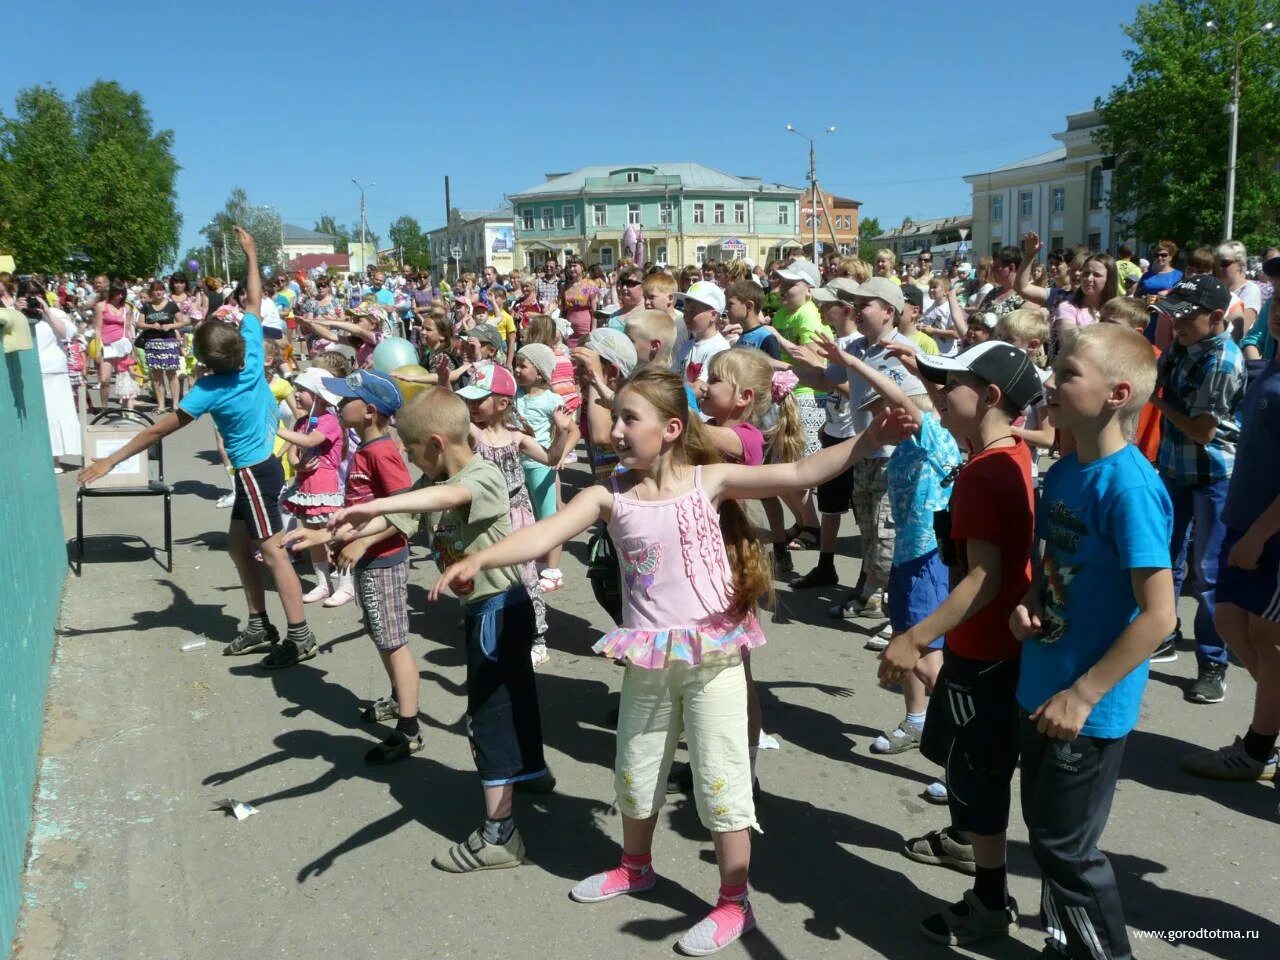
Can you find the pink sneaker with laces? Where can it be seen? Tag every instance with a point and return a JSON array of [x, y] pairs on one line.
[[727, 922], [614, 883]]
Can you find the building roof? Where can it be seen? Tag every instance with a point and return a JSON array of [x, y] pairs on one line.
[[501, 213], [295, 234], [692, 176], [920, 228]]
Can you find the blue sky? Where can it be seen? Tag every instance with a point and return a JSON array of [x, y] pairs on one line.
[[291, 100]]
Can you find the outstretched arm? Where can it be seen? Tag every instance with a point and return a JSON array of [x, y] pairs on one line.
[[434, 499], [588, 507], [145, 438], [252, 282]]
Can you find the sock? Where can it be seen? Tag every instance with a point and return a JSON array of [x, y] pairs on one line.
[[345, 582], [299, 632], [636, 866], [989, 883], [752, 752], [780, 548], [916, 720], [738, 892], [322, 570], [408, 726], [498, 831], [1259, 745], [258, 624], [826, 561]]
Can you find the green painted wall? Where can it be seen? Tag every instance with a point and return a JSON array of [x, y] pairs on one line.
[[33, 562]]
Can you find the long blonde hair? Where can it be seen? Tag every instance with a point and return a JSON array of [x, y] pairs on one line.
[[748, 368], [750, 565]]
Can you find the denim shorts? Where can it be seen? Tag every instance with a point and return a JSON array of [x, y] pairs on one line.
[[503, 721], [916, 589]]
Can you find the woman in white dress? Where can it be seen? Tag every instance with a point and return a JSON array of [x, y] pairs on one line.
[[52, 328]]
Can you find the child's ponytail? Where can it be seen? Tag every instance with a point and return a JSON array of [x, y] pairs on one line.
[[786, 438]]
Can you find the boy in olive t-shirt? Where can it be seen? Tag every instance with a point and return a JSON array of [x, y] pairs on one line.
[[468, 497]]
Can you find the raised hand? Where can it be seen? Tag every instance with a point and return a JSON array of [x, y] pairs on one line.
[[906, 354], [1031, 245], [247, 243]]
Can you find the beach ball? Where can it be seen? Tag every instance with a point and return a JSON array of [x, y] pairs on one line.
[[393, 353]]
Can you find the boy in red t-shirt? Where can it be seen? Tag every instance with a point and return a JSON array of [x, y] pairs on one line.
[[381, 560], [1135, 314], [972, 724]]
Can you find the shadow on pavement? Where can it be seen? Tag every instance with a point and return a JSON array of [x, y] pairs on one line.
[[180, 616]]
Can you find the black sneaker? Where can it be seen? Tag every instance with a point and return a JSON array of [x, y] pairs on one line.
[[246, 642], [680, 780], [1167, 652], [782, 562], [1210, 685], [819, 576]]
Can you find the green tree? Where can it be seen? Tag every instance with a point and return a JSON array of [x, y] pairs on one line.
[[40, 177], [263, 222], [406, 233], [1168, 129], [131, 223], [868, 227], [329, 225]]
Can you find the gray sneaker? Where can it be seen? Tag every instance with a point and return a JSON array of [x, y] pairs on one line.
[[477, 853], [879, 641], [1229, 763], [969, 921], [1210, 685], [857, 607]]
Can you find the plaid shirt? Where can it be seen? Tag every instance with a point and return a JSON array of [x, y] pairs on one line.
[[1206, 377]]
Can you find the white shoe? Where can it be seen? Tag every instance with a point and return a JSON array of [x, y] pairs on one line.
[[539, 655], [225, 502], [880, 640], [339, 597], [319, 592], [550, 580]]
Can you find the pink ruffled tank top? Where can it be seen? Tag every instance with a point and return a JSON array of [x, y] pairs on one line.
[[113, 322], [676, 582]]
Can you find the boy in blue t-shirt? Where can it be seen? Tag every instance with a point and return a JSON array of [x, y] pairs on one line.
[[236, 394], [1101, 601]]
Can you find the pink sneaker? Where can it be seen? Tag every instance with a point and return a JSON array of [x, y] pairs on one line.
[[339, 597], [319, 592], [722, 926], [614, 883]]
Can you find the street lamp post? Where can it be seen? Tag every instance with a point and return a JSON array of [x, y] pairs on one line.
[[813, 185], [1234, 110], [362, 220]]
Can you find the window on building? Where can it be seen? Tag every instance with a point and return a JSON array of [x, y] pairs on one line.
[[570, 216], [739, 213], [548, 218], [699, 214], [1095, 242], [1059, 199], [606, 257], [784, 214], [526, 218], [1024, 202], [1056, 245], [661, 255], [997, 208], [717, 213], [599, 215], [665, 209], [699, 255], [633, 177], [1095, 189], [633, 213], [995, 248]]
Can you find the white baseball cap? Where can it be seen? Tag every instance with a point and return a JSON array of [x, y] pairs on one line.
[[312, 379], [705, 292], [802, 271]]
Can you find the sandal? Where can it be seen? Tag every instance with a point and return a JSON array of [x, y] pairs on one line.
[[381, 709], [805, 539], [246, 642], [939, 848], [398, 746], [287, 653], [969, 921]]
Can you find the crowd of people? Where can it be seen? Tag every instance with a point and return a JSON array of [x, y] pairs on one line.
[[1021, 608]]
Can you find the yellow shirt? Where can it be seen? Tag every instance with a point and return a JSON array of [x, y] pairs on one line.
[[281, 388], [506, 326], [925, 342]]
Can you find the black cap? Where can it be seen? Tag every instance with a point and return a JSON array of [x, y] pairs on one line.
[[998, 363], [1271, 267], [1194, 295], [913, 295]]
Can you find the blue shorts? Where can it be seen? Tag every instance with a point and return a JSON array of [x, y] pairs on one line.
[[916, 589], [1255, 591]]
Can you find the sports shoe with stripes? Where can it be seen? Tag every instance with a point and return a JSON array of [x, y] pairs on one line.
[[477, 853], [1229, 763]]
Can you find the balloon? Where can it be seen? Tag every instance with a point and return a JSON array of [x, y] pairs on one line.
[[410, 390], [393, 353], [193, 266], [268, 272]]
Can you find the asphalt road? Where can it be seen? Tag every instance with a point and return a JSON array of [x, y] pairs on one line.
[[129, 860]]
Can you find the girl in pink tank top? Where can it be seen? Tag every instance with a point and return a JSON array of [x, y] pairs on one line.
[[692, 572]]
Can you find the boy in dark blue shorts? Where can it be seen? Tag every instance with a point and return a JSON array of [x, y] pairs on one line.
[[1248, 614], [235, 393], [1101, 602]]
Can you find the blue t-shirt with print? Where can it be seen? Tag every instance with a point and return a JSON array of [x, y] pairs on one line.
[[240, 403], [1098, 521], [915, 472]]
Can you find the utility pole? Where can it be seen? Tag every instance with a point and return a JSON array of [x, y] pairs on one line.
[[813, 188], [1234, 110], [363, 257], [448, 227]]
